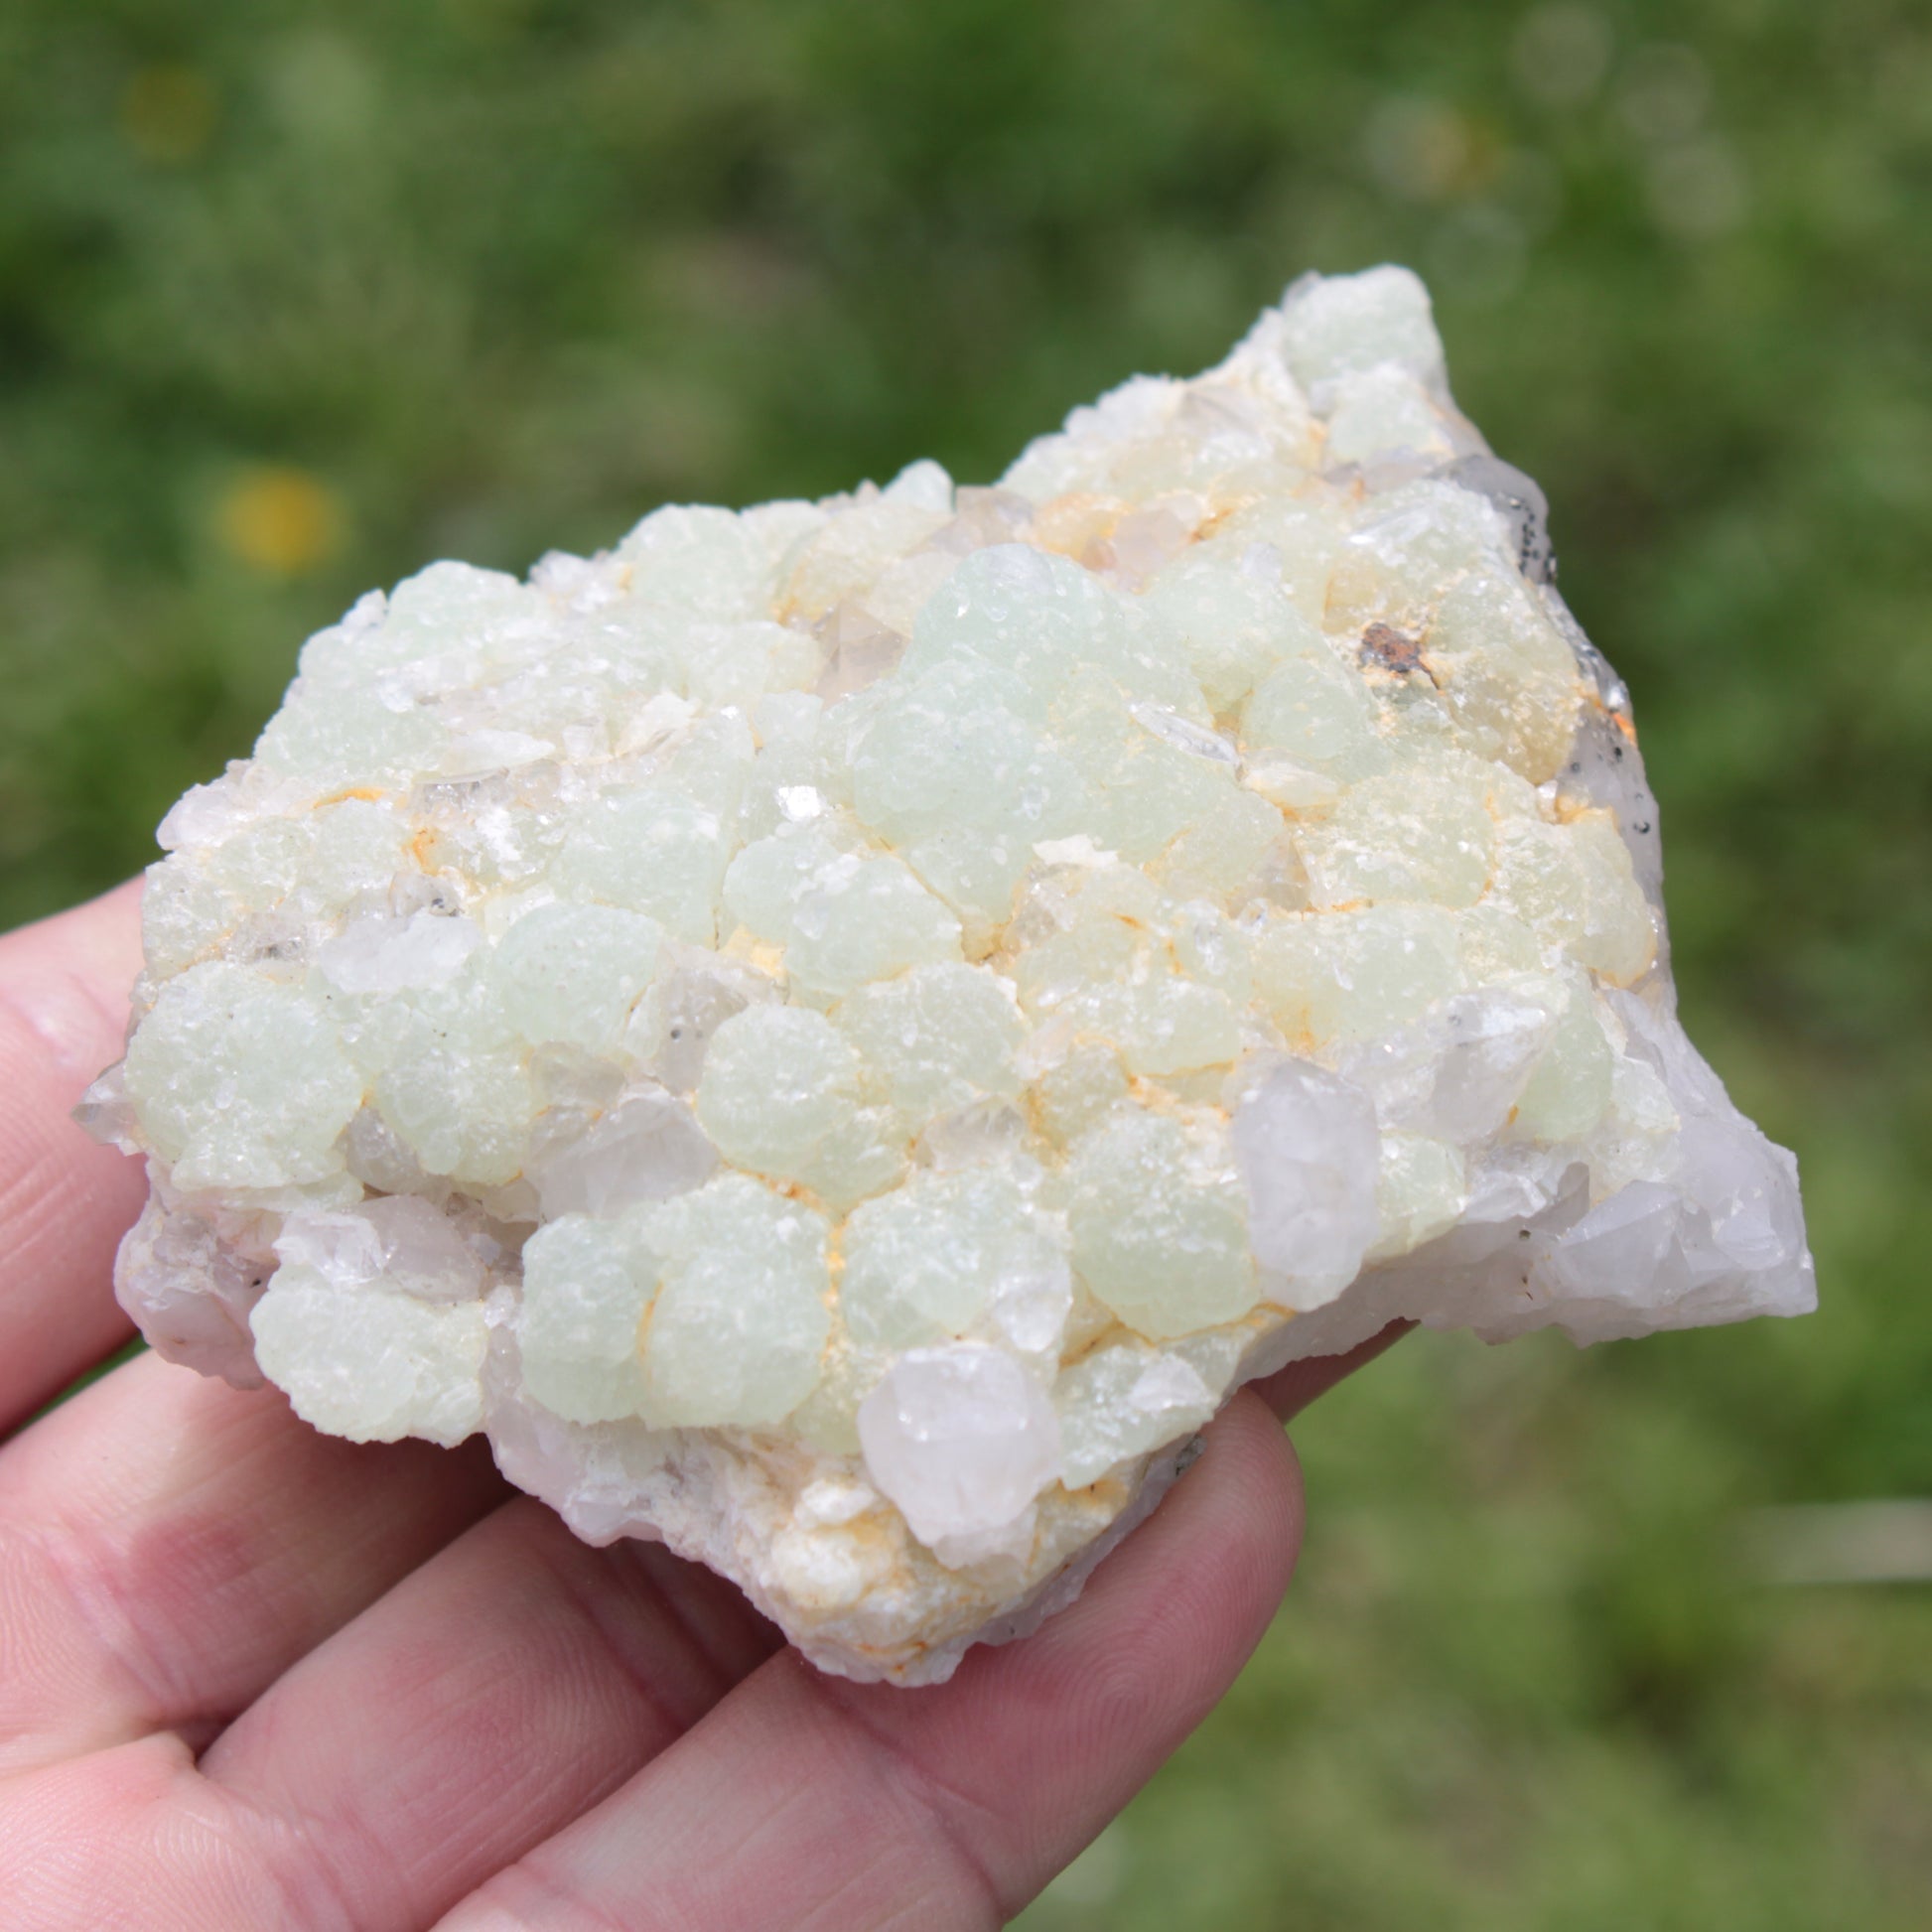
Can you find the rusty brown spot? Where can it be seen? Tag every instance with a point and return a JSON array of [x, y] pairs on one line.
[[1393, 650]]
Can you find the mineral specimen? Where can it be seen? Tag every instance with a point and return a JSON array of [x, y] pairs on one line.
[[838, 1034]]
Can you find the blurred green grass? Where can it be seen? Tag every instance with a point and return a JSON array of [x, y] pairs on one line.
[[293, 298]]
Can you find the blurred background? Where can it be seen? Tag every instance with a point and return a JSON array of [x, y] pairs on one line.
[[295, 297]]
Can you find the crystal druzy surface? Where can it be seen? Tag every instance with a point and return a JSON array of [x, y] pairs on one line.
[[838, 1034]]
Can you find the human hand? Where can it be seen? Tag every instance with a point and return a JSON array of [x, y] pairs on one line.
[[254, 1676]]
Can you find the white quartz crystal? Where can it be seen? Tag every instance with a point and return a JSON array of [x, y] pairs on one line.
[[838, 1034]]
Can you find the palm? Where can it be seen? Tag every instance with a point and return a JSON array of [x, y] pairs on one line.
[[254, 1676]]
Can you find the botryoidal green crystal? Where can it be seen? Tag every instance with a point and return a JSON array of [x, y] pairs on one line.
[[838, 1034]]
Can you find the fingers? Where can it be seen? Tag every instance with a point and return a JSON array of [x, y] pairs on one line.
[[481, 1704], [518, 1679], [806, 1802], [169, 1546], [1291, 1390], [63, 1201]]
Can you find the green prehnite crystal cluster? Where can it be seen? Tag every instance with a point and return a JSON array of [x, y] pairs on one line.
[[838, 1034]]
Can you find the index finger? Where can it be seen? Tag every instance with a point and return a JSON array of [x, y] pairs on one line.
[[63, 1201]]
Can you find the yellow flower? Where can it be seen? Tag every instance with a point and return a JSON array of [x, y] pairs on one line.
[[280, 520]]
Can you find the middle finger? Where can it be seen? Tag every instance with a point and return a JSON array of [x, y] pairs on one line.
[[169, 1546], [493, 1696]]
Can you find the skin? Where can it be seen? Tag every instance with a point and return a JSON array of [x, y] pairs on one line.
[[255, 1676]]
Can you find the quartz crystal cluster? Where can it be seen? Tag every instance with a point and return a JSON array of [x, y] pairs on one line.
[[838, 1034]]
